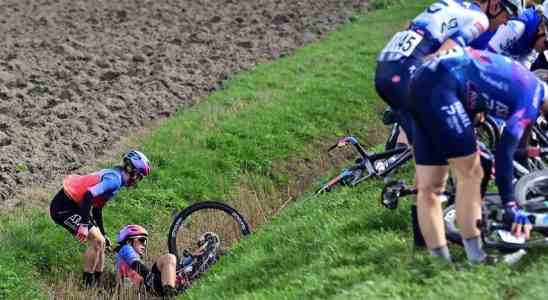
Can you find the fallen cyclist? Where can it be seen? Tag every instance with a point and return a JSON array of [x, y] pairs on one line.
[[166, 277], [130, 267]]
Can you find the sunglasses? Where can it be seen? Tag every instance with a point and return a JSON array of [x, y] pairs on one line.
[[136, 176], [142, 240]]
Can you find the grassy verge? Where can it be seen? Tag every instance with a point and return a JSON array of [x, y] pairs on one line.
[[260, 141], [248, 141], [253, 137]]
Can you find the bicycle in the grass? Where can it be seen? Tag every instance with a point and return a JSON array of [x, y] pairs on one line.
[[200, 235], [531, 193], [368, 165], [384, 164]]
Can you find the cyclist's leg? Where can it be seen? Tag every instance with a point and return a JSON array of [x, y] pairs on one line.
[[457, 142], [469, 175], [431, 180], [391, 83], [167, 264], [431, 173], [94, 257], [66, 214], [468, 204], [433, 141], [164, 269]]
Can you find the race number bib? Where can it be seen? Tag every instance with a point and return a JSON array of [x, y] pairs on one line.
[[402, 44]]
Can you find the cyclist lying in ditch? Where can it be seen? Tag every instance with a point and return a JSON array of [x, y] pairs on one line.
[[443, 25], [77, 207], [131, 270], [445, 93]]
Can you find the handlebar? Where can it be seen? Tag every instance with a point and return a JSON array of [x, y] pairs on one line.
[[349, 140]]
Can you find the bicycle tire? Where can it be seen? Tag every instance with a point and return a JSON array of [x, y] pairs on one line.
[[487, 132], [176, 229], [531, 185]]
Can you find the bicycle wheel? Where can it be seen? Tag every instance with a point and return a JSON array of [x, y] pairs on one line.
[[532, 187], [487, 133], [199, 219]]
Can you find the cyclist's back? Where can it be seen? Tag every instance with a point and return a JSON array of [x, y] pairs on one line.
[[462, 21], [456, 20], [505, 84], [470, 81]]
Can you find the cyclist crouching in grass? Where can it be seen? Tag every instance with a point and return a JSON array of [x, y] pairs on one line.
[[446, 92], [77, 207], [130, 269]]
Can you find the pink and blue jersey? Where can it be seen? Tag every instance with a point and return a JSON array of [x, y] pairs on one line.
[[123, 261], [103, 185]]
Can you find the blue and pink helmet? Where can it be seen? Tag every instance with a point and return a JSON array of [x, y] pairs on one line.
[[130, 231], [138, 161]]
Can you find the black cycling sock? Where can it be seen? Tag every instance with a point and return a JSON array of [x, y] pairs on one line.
[[88, 280], [97, 278], [417, 234], [169, 291]]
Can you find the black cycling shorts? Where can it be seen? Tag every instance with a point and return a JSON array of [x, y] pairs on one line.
[[65, 212]]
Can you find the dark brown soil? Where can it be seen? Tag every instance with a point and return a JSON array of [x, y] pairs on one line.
[[77, 75]]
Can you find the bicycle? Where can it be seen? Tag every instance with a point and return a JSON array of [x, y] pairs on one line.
[[384, 164], [369, 164], [531, 191], [209, 228]]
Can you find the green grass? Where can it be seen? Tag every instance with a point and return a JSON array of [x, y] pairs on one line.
[[278, 116]]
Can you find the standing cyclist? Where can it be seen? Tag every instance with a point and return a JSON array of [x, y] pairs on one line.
[[445, 24], [78, 207], [445, 93]]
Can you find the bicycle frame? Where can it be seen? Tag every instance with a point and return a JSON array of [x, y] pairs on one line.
[[368, 159]]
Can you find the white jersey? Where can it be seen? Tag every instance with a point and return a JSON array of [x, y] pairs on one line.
[[461, 21], [516, 38]]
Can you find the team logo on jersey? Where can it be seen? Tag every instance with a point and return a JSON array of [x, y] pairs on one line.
[[494, 82], [456, 117], [73, 221]]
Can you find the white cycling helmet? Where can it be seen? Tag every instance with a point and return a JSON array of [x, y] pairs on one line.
[[514, 7], [544, 8]]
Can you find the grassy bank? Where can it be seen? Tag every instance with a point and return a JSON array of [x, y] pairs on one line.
[[259, 143]]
